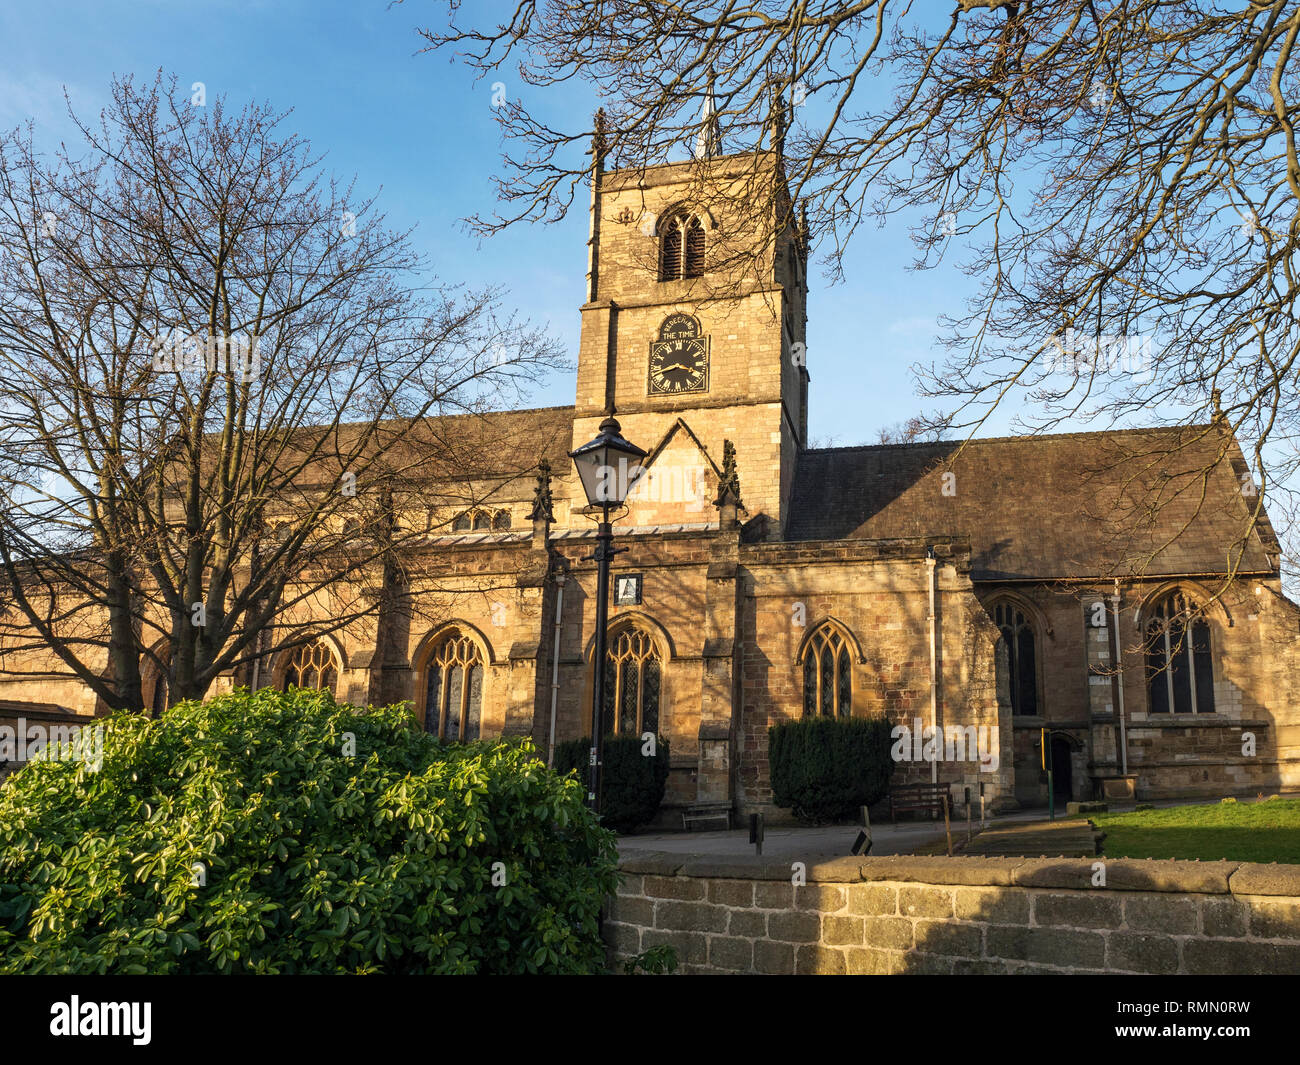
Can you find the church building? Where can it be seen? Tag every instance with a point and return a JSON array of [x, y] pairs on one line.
[[1105, 593]]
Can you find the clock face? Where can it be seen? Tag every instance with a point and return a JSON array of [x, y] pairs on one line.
[[679, 366], [679, 359]]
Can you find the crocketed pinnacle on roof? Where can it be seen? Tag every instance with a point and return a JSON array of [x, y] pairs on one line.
[[543, 509]]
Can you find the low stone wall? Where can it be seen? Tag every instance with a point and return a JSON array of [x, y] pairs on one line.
[[959, 915]]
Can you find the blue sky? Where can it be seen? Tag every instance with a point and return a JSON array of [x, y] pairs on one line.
[[418, 129]]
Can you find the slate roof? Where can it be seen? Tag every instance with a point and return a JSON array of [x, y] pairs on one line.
[[503, 443], [1148, 502]]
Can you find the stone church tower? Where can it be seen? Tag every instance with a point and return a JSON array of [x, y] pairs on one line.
[[694, 317]]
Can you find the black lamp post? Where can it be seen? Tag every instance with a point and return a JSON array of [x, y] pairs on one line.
[[608, 467]]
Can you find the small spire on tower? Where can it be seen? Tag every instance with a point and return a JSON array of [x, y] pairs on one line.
[[776, 119], [708, 143], [598, 145]]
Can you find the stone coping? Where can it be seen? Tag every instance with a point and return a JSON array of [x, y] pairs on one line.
[[1122, 874]]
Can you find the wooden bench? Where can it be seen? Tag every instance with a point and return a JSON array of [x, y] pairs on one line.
[[931, 797], [705, 812]]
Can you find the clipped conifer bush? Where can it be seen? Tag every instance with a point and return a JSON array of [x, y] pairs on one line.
[[286, 833], [824, 768], [634, 782]]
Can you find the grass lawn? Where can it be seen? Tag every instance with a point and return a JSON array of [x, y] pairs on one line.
[[1241, 831]]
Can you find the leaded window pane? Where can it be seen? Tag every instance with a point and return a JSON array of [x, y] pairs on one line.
[[827, 685], [1017, 636], [628, 699], [650, 696], [474, 703], [1204, 668], [432, 701], [844, 697], [455, 690], [1026, 675], [1157, 677]]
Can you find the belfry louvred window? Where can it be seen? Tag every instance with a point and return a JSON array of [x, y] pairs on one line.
[[681, 247], [827, 674], [1180, 668]]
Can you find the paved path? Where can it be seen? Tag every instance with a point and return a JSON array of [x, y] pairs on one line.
[[1034, 839], [796, 843], [1025, 832]]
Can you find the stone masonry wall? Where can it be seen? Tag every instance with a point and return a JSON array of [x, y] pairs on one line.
[[960, 915]]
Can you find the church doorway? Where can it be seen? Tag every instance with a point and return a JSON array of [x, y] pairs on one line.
[[1062, 786]]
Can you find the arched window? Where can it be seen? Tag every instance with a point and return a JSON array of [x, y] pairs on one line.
[[681, 248], [827, 673], [1180, 670], [482, 521], [453, 688], [461, 523], [501, 520], [632, 683], [1021, 659], [312, 665]]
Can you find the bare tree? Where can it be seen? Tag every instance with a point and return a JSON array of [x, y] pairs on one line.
[[219, 371], [1121, 176]]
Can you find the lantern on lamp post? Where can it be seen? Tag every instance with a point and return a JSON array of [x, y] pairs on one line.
[[609, 468]]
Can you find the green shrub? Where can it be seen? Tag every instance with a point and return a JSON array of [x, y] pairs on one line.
[[238, 835], [633, 782], [824, 768]]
